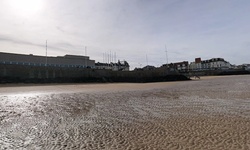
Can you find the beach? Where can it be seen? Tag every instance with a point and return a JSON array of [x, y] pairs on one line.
[[211, 113]]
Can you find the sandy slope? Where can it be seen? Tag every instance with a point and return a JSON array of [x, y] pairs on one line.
[[212, 113]]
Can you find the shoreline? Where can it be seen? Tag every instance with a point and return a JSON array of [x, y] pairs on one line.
[[90, 87], [2, 85], [57, 88]]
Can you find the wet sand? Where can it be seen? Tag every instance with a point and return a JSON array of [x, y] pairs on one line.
[[211, 113]]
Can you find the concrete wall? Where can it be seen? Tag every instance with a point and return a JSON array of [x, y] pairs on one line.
[[19, 73]]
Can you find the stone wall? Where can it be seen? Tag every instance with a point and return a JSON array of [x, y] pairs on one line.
[[33, 74]]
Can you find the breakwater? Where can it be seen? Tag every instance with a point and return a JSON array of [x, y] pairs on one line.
[[41, 74]]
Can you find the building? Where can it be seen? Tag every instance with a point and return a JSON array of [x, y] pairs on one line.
[[148, 67], [100, 65], [210, 64], [77, 61], [180, 66], [119, 66], [246, 67]]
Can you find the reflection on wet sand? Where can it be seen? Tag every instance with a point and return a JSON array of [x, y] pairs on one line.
[[204, 114]]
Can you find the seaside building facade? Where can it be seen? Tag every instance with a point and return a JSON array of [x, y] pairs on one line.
[[119, 66], [180, 66], [76, 61], [246, 67], [210, 64], [149, 67]]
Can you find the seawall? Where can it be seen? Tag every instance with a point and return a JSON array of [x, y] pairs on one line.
[[41, 74]]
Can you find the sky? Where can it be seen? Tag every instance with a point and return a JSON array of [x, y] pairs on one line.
[[138, 31]]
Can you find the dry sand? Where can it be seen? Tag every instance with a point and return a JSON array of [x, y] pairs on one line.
[[211, 113]]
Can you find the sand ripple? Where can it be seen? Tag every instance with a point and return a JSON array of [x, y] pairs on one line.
[[206, 114]]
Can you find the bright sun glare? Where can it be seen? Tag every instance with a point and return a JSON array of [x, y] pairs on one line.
[[26, 7]]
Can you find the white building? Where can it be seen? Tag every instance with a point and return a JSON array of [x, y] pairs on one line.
[[120, 66], [210, 64], [246, 67], [180, 66]]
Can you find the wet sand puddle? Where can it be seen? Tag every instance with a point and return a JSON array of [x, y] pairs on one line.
[[206, 114]]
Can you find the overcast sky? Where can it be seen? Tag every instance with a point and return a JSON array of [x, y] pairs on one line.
[[133, 29]]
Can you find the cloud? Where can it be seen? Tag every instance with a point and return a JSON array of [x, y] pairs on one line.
[[133, 29], [57, 46], [16, 41]]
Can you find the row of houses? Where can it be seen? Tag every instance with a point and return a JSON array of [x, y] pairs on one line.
[[243, 66], [79, 61], [198, 65], [72, 61], [119, 66], [210, 64]]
